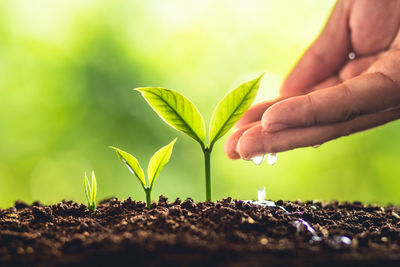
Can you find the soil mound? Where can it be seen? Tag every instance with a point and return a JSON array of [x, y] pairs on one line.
[[185, 233]]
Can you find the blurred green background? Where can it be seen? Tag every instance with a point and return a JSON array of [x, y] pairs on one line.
[[67, 69]]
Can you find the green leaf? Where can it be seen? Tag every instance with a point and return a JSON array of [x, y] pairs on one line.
[[158, 161], [87, 189], [176, 110], [231, 108], [94, 188], [132, 164]]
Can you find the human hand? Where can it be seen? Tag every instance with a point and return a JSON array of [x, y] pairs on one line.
[[347, 81]]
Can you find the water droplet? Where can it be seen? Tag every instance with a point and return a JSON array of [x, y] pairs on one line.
[[316, 238], [272, 158], [345, 240], [261, 200], [352, 55], [258, 159], [261, 194], [282, 208], [316, 146], [300, 222]]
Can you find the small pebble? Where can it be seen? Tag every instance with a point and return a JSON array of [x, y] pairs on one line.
[[395, 215]]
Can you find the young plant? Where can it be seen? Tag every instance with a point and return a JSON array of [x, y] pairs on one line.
[[181, 114], [91, 190], [157, 162]]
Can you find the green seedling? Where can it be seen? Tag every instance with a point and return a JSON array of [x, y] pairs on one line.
[[157, 162], [91, 190], [181, 114]]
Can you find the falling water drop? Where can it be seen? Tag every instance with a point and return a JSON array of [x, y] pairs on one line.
[[261, 194], [344, 240], [258, 159], [272, 158], [262, 202]]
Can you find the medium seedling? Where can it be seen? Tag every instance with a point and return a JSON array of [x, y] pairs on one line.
[[157, 162], [91, 190], [182, 115]]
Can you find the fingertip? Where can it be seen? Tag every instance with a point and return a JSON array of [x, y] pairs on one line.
[[248, 117], [230, 150], [239, 124], [254, 113], [231, 143], [250, 144], [248, 148], [271, 120]]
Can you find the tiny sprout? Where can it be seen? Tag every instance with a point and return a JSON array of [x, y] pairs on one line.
[[91, 191], [181, 114], [157, 162]]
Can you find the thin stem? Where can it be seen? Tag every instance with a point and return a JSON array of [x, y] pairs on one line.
[[92, 207], [148, 197], [207, 154]]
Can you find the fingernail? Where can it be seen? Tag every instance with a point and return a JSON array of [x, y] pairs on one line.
[[274, 127]]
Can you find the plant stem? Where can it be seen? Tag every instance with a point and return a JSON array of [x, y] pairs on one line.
[[92, 207], [207, 154], [148, 197]]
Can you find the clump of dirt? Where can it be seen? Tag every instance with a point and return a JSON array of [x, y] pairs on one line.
[[234, 233]]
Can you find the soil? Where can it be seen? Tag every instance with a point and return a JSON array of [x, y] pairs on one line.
[[225, 233]]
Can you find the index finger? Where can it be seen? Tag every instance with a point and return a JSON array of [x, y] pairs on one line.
[[254, 113], [370, 92]]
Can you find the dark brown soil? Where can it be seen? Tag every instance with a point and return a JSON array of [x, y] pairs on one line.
[[233, 233]]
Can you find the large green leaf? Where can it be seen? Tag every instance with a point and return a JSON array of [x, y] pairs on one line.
[[176, 110], [231, 108], [158, 161], [132, 164]]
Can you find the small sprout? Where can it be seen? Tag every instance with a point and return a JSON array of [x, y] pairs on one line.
[[91, 191], [156, 164], [181, 114]]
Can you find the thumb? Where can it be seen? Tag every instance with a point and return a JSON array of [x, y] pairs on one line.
[[325, 57]]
